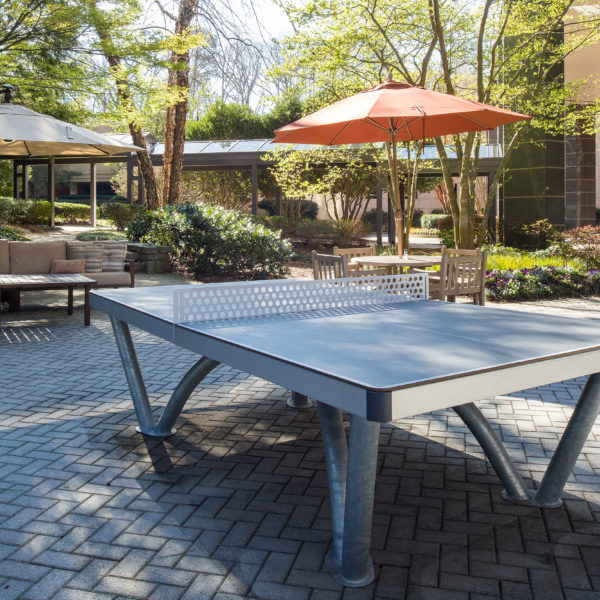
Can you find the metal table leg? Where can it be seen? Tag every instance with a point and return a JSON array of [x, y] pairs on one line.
[[570, 445], [138, 391], [494, 450], [562, 462], [351, 475], [297, 400]]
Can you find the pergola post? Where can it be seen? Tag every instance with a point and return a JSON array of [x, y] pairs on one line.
[[130, 162], [51, 188], [93, 196], [25, 169], [15, 179], [254, 175]]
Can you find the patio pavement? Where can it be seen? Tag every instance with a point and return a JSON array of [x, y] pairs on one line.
[[235, 504]]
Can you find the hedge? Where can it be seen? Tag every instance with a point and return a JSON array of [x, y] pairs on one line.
[[210, 240], [430, 221], [38, 212]]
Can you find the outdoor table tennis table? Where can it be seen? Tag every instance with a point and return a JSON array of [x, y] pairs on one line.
[[353, 346]]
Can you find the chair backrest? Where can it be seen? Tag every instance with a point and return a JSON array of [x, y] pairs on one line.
[[463, 276], [460, 251], [352, 252], [326, 266]]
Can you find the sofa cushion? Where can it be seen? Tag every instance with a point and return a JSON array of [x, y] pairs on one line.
[[110, 279], [90, 251], [76, 265], [4, 257], [35, 257], [113, 256]]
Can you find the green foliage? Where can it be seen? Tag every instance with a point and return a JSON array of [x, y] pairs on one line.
[[431, 221], [582, 244], [539, 282], [209, 240], [286, 225], [231, 121], [8, 233], [539, 235], [370, 219], [69, 212], [317, 227], [100, 235], [120, 214], [308, 208], [25, 212]]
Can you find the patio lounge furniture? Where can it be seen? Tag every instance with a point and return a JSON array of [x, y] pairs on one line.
[[103, 265]]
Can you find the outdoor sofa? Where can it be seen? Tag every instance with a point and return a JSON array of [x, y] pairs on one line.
[[104, 262]]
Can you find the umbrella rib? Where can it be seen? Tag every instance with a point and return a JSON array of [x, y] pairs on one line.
[[27, 148], [337, 135], [374, 123], [101, 150], [484, 125]]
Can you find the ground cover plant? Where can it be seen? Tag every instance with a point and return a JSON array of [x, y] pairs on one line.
[[210, 240], [100, 235], [8, 233]]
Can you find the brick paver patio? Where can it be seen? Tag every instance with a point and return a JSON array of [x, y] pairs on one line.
[[235, 504]]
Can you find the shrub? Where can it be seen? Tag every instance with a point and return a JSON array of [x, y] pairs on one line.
[[416, 220], [120, 214], [209, 240], [430, 221], [308, 208], [100, 234], [7, 233], [25, 212], [582, 244], [318, 227], [538, 282], [346, 232], [286, 225], [370, 219], [139, 227], [538, 235], [69, 212]]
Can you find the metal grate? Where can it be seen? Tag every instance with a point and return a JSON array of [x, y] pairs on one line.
[[215, 302]]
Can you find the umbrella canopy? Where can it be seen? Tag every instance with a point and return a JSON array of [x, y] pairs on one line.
[[26, 133], [394, 112]]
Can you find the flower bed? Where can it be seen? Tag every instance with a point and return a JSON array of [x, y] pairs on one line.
[[541, 282]]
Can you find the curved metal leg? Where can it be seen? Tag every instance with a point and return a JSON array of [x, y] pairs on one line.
[[297, 400], [495, 452], [357, 566], [351, 472], [336, 462], [138, 391], [133, 374], [570, 445], [182, 392]]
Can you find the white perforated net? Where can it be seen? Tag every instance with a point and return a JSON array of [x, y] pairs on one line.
[[217, 302]]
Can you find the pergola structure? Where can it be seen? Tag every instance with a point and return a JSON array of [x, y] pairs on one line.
[[242, 155]]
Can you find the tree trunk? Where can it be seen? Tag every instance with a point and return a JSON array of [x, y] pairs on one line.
[[178, 77], [151, 195]]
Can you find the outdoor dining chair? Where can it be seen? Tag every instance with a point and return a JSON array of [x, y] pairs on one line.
[[328, 266], [462, 273], [353, 252]]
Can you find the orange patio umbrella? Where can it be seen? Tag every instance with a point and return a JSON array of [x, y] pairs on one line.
[[394, 112]]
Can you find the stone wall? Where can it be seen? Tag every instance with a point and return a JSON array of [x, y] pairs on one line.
[[149, 258]]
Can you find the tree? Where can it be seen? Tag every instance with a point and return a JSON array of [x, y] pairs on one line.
[[178, 80], [503, 53], [341, 174]]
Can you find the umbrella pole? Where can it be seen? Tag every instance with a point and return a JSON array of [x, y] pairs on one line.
[[396, 189]]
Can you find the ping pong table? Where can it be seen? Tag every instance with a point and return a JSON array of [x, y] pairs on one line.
[[377, 349]]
